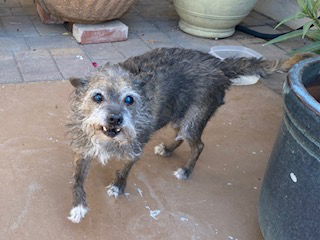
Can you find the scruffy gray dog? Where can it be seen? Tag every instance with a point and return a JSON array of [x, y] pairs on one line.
[[115, 112]]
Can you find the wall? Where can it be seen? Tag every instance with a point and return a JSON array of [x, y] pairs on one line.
[[279, 9]]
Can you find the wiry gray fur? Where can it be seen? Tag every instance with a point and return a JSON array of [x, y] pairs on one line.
[[177, 86]]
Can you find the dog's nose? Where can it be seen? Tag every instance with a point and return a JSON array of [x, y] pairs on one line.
[[115, 119]]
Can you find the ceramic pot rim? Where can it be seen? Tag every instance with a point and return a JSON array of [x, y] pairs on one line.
[[295, 83]]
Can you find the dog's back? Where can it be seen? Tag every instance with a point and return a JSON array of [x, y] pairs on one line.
[[176, 80]]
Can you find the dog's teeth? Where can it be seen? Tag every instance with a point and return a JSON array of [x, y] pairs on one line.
[[104, 128]]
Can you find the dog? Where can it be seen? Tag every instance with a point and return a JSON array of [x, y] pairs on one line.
[[115, 112]]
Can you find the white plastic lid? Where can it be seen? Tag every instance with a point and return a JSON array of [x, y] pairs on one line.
[[223, 52]]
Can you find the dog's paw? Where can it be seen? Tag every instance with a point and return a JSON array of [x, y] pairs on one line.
[[113, 190], [161, 150], [77, 213], [182, 173]]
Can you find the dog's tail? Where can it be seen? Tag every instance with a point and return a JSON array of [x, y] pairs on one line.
[[236, 67]]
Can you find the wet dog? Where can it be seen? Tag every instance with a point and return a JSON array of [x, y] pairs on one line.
[[116, 111]]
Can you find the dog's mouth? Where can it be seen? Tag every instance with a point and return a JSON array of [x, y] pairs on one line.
[[111, 131]]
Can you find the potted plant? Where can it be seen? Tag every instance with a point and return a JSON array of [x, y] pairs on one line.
[[212, 18], [309, 9], [289, 206], [80, 11]]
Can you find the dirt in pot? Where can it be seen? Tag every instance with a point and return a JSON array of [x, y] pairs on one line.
[[314, 89]]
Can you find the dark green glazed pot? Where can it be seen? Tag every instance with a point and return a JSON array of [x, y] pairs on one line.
[[290, 195]]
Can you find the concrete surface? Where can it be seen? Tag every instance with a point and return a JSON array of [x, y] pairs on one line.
[[219, 202]]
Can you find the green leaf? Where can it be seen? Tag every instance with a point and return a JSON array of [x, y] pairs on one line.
[[317, 5], [306, 28], [286, 36], [294, 17], [313, 47], [314, 34], [302, 4]]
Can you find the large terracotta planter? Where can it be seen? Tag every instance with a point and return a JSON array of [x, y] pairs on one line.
[[212, 18], [290, 195], [86, 11]]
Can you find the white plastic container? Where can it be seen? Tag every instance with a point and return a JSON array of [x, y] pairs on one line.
[[223, 52]]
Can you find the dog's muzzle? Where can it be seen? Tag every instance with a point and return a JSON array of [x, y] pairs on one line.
[[114, 125]]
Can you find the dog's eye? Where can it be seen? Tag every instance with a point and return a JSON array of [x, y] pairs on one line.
[[129, 100], [98, 98]]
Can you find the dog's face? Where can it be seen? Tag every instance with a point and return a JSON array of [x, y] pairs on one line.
[[109, 106]]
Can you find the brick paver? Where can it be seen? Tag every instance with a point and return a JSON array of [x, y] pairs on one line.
[[37, 65], [32, 51]]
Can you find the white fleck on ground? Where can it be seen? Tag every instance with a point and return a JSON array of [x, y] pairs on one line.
[[293, 177], [184, 219], [140, 192]]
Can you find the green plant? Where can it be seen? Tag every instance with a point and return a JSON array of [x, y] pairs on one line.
[[308, 9]]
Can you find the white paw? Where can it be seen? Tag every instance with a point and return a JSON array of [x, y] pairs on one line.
[[77, 213], [113, 191], [180, 174], [160, 149]]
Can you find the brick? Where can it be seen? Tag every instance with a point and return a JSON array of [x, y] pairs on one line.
[[37, 66], [113, 31], [46, 17]]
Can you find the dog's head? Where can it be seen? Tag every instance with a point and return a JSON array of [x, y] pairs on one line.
[[108, 105]]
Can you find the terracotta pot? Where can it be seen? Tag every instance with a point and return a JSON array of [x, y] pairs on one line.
[[86, 11], [212, 18]]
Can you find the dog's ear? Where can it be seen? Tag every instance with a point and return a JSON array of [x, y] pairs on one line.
[[78, 82]]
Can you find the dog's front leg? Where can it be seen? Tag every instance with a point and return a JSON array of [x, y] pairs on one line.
[[119, 184], [80, 207]]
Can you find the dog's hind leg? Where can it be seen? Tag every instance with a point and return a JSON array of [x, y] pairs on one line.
[[166, 150], [191, 130], [196, 149], [80, 207], [118, 185]]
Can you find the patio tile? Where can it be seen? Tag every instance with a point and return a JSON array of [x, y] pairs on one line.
[[131, 47], [37, 65], [19, 26], [26, 2], [5, 12], [268, 51], [72, 62], [8, 69], [49, 42], [102, 51], [24, 11], [9, 3], [257, 19], [12, 44], [157, 40], [48, 29]]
